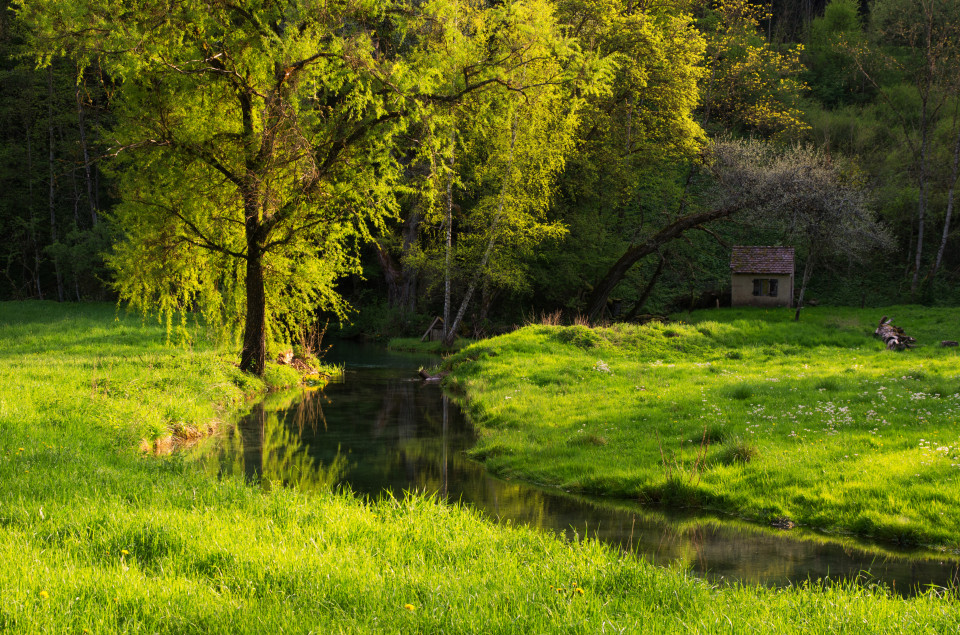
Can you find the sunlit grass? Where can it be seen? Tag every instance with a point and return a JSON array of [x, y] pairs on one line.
[[97, 537], [749, 411]]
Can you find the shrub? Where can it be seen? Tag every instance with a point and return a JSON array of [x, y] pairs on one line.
[[738, 450], [581, 336]]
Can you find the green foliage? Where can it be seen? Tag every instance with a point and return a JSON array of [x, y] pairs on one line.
[[258, 147], [749, 84], [637, 141], [833, 75]]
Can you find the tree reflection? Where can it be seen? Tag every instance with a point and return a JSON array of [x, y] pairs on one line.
[[265, 449]]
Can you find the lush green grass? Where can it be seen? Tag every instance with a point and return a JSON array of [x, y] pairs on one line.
[[95, 536], [741, 410], [414, 345]]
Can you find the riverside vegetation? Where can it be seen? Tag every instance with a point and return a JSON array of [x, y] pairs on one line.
[[743, 411], [97, 536]]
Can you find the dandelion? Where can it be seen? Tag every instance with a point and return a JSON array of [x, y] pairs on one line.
[[580, 591], [124, 552], [44, 595], [409, 607]]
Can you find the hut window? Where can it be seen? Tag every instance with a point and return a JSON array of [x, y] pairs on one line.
[[765, 286]]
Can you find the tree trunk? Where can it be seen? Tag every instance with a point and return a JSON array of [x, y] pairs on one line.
[[449, 245], [946, 221], [648, 290], [451, 333], [598, 298], [52, 198], [73, 182], [33, 218], [391, 274], [254, 355], [922, 203], [408, 274], [86, 159], [807, 269], [893, 336]]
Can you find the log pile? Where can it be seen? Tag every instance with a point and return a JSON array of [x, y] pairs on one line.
[[893, 336]]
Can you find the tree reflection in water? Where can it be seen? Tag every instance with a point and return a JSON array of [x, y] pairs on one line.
[[267, 447]]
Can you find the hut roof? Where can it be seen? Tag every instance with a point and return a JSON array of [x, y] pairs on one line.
[[775, 260]]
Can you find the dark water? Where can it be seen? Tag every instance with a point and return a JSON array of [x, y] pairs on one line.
[[382, 429]]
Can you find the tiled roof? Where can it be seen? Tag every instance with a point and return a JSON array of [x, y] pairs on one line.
[[778, 260]]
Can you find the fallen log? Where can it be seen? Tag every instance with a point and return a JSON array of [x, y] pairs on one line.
[[426, 376], [893, 336]]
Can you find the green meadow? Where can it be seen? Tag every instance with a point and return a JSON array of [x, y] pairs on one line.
[[99, 536], [744, 411]]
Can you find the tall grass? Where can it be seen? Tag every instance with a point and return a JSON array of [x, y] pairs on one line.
[[98, 537], [819, 423]]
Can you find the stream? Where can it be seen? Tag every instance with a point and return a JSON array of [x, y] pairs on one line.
[[381, 429]]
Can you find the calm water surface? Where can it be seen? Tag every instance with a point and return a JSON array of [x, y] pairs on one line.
[[383, 430]]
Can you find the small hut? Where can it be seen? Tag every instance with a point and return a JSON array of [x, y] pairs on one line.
[[761, 276]]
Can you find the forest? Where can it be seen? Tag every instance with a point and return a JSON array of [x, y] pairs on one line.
[[269, 164]]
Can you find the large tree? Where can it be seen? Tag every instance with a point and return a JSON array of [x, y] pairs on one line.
[[258, 140]]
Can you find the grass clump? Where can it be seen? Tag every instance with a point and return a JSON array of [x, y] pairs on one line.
[[740, 392], [97, 537], [738, 450], [814, 419]]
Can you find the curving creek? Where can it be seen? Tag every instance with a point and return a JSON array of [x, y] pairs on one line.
[[382, 429]]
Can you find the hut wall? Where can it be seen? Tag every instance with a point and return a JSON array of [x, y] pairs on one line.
[[745, 285]]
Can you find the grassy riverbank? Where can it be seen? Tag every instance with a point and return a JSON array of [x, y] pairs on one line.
[[97, 537], [435, 347], [741, 410]]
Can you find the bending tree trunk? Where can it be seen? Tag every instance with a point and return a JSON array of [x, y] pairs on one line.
[[598, 299]]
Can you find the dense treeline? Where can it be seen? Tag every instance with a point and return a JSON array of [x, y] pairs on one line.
[[54, 189], [261, 160]]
